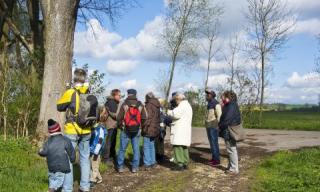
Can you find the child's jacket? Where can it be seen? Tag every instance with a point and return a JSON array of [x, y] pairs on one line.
[[58, 150], [97, 140]]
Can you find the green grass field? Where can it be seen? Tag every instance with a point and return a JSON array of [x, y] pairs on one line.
[[21, 168], [288, 120], [289, 171]]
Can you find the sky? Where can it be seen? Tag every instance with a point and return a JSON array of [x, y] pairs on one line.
[[130, 56]]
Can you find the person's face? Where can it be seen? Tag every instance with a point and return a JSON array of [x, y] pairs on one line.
[[225, 100], [208, 97], [117, 96]]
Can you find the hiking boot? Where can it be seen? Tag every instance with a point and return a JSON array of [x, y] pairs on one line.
[[185, 167], [155, 166], [92, 184], [147, 168], [120, 170], [134, 170], [214, 163]]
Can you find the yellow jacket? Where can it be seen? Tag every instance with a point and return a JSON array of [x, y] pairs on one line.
[[70, 102]]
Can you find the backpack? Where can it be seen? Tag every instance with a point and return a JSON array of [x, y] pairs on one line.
[[132, 118], [87, 115]]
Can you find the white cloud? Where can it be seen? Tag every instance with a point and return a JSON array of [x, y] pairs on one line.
[[311, 26], [129, 84], [121, 67], [311, 80], [218, 80]]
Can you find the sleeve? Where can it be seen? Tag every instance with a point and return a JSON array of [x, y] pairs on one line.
[[226, 118], [176, 113], [43, 152], [144, 115], [99, 144], [218, 112], [70, 150], [120, 115], [64, 101]]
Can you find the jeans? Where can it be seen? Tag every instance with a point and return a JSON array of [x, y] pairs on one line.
[[213, 135], [56, 180], [124, 141], [110, 146], [149, 153], [233, 165], [82, 141]]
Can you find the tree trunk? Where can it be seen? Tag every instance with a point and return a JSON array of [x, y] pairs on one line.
[[262, 80], [36, 35], [60, 19], [209, 62], [171, 75]]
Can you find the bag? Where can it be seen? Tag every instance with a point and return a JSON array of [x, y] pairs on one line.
[[99, 131], [237, 132], [132, 118], [88, 111]]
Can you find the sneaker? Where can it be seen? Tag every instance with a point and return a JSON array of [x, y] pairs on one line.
[[147, 168], [185, 167], [155, 166], [92, 184], [99, 181], [120, 170], [134, 170], [231, 172], [214, 163]]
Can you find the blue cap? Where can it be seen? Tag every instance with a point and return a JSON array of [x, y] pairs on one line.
[[174, 94], [132, 92]]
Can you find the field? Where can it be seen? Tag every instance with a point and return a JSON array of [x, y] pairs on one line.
[[287, 120], [289, 171]]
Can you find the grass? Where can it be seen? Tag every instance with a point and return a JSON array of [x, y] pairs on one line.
[[289, 171], [21, 169], [288, 120]]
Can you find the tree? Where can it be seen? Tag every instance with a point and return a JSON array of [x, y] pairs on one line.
[[182, 25], [60, 18], [270, 24], [209, 31]]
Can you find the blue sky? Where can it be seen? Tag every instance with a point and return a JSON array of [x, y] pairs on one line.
[[130, 56]]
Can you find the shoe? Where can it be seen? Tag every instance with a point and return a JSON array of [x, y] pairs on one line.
[[92, 184], [214, 163], [231, 172], [134, 170], [80, 190], [120, 170], [147, 168], [178, 168], [99, 181], [155, 166], [185, 167]]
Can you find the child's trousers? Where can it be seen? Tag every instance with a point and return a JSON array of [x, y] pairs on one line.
[[95, 175]]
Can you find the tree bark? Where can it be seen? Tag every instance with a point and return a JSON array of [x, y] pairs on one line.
[[171, 75], [209, 62], [60, 20]]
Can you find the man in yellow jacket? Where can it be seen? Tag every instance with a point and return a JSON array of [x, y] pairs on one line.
[[70, 102]]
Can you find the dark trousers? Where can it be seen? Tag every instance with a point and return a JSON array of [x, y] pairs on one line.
[[110, 146]]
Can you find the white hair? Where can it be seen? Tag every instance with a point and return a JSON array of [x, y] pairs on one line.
[[180, 96]]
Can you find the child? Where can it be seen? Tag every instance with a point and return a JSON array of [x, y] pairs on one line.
[[98, 135], [59, 151]]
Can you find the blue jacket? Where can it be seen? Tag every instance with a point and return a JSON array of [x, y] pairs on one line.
[[98, 137]]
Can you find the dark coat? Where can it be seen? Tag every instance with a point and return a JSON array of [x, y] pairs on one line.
[[151, 128], [111, 109], [131, 100], [231, 115], [58, 150]]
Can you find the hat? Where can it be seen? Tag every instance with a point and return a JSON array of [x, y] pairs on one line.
[[174, 94], [211, 92], [132, 92], [53, 126]]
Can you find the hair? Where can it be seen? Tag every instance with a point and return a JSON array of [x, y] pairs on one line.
[[230, 95], [150, 95], [114, 92], [180, 96], [80, 75]]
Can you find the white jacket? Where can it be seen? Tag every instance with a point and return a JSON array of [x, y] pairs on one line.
[[181, 128]]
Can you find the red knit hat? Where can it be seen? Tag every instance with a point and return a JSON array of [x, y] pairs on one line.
[[53, 126]]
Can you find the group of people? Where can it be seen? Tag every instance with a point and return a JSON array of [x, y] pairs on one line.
[[93, 130]]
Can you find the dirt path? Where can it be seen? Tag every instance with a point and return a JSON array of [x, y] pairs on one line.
[[201, 177]]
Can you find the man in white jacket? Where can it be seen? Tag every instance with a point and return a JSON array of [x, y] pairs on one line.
[[181, 129]]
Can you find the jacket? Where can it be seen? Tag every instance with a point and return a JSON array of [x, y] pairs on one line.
[[181, 127], [213, 114], [97, 140], [151, 127], [111, 110], [58, 150], [70, 102], [131, 100], [231, 115]]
